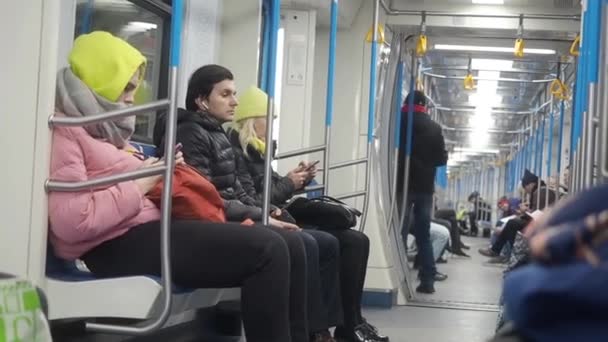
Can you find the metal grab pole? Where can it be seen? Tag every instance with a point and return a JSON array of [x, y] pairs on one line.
[[549, 157], [595, 20], [603, 102], [275, 13], [398, 99], [165, 240], [540, 161], [371, 112], [560, 144], [329, 99], [408, 145]]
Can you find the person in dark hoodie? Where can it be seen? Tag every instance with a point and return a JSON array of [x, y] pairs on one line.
[[247, 135], [210, 102], [428, 153], [530, 182]]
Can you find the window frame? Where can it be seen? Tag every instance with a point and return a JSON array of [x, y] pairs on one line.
[[164, 11]]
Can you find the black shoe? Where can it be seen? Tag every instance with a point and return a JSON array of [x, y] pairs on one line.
[[498, 260], [428, 289], [440, 276], [488, 252], [463, 246], [374, 334], [441, 260], [359, 335], [461, 253]]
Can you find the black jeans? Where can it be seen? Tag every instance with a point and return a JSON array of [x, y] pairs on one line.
[[450, 216], [421, 229], [354, 253], [473, 223], [508, 233], [268, 264], [323, 259]]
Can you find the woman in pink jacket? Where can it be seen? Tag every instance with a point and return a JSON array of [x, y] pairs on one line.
[[116, 229]]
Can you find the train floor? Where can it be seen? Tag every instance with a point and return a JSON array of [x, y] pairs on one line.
[[418, 324], [471, 281]]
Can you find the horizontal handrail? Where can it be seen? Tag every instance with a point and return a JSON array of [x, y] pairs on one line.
[[300, 152], [352, 194], [107, 116], [348, 163], [52, 185], [541, 16], [500, 79]]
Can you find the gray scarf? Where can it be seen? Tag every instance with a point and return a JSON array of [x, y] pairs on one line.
[[75, 99]]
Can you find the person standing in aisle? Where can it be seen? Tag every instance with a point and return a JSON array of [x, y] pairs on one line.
[[428, 153]]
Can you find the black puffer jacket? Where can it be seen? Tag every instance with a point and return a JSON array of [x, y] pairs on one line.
[[207, 148], [428, 152], [251, 174]]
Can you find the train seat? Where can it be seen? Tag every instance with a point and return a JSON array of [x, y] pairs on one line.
[[77, 293]]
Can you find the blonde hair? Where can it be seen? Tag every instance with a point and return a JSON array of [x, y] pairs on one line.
[[246, 131]]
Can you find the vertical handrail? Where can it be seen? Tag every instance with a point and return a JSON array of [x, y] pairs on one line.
[[329, 99], [275, 13], [398, 99], [265, 46], [603, 104], [408, 143], [371, 111], [166, 200], [593, 33], [550, 156], [541, 146], [560, 143], [87, 17]]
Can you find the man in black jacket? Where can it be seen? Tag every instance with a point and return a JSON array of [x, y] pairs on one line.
[[210, 102], [530, 184], [428, 153]]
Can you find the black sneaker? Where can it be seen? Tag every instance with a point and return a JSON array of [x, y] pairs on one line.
[[440, 276], [428, 289], [374, 334]]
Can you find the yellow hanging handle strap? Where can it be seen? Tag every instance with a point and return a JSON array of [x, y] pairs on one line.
[[559, 90], [575, 47], [518, 50], [369, 36], [469, 83], [421, 45], [519, 47]]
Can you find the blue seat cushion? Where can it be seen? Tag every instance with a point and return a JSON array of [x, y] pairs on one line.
[[64, 270]]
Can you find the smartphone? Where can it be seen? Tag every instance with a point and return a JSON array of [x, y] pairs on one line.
[[178, 147], [311, 166]]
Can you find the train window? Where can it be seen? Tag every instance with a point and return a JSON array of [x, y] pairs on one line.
[[140, 27]]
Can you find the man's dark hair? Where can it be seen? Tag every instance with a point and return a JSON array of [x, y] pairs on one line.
[[202, 81], [419, 98]]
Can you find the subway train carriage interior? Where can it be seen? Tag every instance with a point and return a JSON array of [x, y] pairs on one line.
[[304, 170]]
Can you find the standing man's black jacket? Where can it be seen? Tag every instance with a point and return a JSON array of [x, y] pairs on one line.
[[206, 147], [428, 152]]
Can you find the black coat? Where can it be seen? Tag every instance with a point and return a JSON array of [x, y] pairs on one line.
[[206, 147], [251, 174], [428, 152], [544, 192]]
